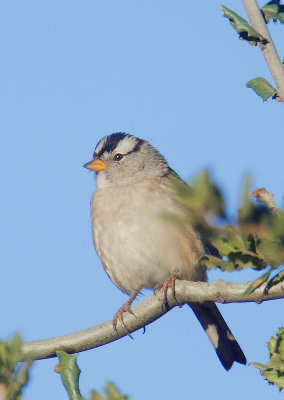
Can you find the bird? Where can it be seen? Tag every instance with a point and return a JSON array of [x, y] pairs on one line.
[[137, 246]]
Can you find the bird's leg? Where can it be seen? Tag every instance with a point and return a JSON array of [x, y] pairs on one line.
[[125, 308], [168, 283]]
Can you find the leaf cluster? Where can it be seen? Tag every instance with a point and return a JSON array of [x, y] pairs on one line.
[[273, 371], [13, 376], [272, 10], [244, 29], [255, 240]]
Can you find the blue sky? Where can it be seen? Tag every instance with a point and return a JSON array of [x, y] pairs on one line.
[[173, 73]]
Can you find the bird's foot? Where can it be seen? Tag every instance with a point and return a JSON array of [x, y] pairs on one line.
[[118, 316], [168, 283]]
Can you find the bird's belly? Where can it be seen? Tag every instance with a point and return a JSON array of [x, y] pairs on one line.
[[139, 247], [127, 258]]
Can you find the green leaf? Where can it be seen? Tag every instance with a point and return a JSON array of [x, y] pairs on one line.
[[262, 88], [275, 377], [257, 283], [273, 371], [280, 16], [96, 395], [212, 262], [261, 367], [274, 281], [203, 196], [247, 259], [277, 362], [113, 393], [21, 379], [235, 237], [273, 10], [10, 352], [246, 206], [223, 245], [272, 250], [279, 343], [208, 194], [244, 29], [250, 211], [270, 10], [272, 345], [12, 376], [280, 332], [69, 373]]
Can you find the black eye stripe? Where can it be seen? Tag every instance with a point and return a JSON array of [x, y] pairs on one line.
[[112, 141], [137, 146]]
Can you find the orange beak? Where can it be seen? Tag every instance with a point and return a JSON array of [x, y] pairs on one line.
[[96, 165]]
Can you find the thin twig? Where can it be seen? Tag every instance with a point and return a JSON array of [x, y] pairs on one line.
[[266, 198], [268, 50], [146, 312]]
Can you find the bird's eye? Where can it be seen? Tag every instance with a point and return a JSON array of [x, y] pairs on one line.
[[118, 157]]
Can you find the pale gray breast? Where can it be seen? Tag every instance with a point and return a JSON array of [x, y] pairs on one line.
[[138, 247]]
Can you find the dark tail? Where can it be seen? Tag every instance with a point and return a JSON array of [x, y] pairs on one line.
[[225, 345]]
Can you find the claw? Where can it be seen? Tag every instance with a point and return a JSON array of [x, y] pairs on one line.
[[168, 283], [119, 315]]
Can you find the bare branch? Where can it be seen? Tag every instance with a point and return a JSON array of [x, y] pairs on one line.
[[146, 312], [268, 50], [266, 198]]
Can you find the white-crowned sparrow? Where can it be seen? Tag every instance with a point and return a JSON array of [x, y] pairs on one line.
[[136, 245]]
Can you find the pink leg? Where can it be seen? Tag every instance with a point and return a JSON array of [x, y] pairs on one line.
[[125, 308], [168, 283]]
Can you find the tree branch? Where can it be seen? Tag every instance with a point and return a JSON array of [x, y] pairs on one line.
[[268, 50], [146, 312]]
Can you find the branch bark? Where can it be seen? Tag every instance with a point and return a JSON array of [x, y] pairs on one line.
[[268, 50], [147, 312]]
